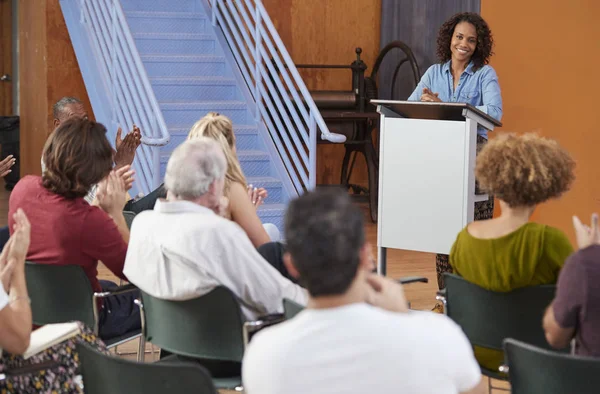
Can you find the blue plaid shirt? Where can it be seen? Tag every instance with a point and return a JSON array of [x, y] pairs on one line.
[[479, 88]]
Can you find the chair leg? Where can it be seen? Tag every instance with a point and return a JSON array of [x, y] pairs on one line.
[[142, 350], [345, 162]]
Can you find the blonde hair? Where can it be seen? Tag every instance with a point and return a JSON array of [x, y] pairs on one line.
[[219, 128], [524, 170]]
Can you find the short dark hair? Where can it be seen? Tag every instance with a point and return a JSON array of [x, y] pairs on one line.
[[325, 232], [60, 105], [77, 156], [485, 40]]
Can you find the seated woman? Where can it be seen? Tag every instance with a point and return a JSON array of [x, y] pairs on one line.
[[68, 230], [241, 209], [509, 252], [53, 370]]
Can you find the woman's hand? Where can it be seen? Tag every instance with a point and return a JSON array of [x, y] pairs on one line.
[[6, 164], [587, 235], [429, 96], [15, 250], [257, 195], [112, 191]]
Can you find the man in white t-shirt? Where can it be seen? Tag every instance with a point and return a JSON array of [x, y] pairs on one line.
[[357, 334]]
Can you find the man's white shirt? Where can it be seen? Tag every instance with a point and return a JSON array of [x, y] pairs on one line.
[[181, 250]]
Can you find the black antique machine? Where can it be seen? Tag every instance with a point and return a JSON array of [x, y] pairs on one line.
[[350, 113]]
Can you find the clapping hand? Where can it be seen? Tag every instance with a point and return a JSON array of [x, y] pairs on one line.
[[15, 250], [6, 164], [257, 195], [429, 96], [111, 195], [587, 235], [126, 147], [386, 294]]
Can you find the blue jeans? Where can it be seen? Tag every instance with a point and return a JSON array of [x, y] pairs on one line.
[[119, 315]]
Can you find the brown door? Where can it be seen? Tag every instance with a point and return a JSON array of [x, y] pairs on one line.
[[6, 84]]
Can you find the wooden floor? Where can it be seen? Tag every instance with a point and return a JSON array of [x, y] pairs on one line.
[[400, 263]]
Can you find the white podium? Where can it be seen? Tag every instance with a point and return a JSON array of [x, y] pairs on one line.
[[426, 174]]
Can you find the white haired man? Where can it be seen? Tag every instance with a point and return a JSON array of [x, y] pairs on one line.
[[183, 248]]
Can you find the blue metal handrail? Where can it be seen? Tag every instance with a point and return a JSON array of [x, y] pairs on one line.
[[132, 97], [283, 102]]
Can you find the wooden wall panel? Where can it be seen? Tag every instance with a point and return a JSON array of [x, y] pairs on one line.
[[64, 76], [541, 91], [6, 104], [33, 83], [48, 71], [327, 32]]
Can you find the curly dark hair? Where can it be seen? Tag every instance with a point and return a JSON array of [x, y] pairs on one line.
[[77, 156], [524, 170], [485, 40]]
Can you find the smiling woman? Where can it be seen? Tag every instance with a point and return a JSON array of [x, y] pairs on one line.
[[464, 48]]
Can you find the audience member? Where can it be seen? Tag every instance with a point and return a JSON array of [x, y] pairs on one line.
[[241, 209], [71, 107], [53, 369], [68, 230], [509, 252], [357, 335], [183, 248], [575, 311]]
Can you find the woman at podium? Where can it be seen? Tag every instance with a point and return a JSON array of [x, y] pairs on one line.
[[464, 48]]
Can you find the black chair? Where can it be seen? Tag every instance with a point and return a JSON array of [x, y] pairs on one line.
[[489, 317], [210, 329], [105, 374], [129, 216], [53, 302], [538, 371]]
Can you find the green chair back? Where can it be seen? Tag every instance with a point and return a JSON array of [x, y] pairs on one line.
[[59, 294], [538, 371], [105, 374], [291, 308], [489, 317], [129, 216], [207, 327]]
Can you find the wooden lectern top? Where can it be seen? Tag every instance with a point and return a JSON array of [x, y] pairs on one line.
[[434, 110]]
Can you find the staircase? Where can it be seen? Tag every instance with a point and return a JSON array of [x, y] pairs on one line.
[[191, 76], [163, 64]]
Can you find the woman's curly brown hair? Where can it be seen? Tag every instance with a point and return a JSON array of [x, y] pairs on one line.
[[77, 156], [524, 170], [485, 40]]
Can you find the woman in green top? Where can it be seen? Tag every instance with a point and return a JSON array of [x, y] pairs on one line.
[[509, 252]]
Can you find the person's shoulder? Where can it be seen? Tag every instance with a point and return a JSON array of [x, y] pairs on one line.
[[28, 182], [487, 71], [272, 342], [553, 235], [586, 257]]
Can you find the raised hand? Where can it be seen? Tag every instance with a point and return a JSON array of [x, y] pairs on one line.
[[587, 235], [111, 195], [257, 195], [6, 165], [126, 147], [15, 250], [386, 294]]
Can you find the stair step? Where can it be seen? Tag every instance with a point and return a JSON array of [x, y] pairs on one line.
[[195, 88], [273, 213], [161, 5], [176, 44], [166, 22], [246, 137], [190, 112], [184, 66], [253, 163]]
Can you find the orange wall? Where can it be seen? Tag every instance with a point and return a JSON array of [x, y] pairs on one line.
[[547, 55]]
